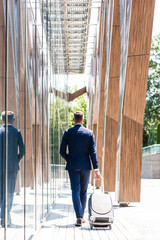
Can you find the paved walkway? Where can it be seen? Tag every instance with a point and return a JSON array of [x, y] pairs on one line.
[[139, 221]]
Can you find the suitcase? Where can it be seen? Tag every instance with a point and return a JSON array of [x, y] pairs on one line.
[[100, 208]]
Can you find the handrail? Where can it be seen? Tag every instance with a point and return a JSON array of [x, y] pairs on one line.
[[150, 150]]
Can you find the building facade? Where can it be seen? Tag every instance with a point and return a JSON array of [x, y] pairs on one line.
[[41, 43]]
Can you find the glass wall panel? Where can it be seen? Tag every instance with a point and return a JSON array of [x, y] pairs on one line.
[[29, 146], [59, 119], [12, 150], [60, 125]]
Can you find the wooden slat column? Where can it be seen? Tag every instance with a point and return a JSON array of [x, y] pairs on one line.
[[112, 106], [13, 92], [100, 88], [94, 123], [29, 142], [134, 100], [92, 112]]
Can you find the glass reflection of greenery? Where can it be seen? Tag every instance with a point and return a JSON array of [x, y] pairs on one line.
[[57, 124]]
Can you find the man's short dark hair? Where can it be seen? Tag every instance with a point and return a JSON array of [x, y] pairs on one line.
[[10, 115], [78, 116]]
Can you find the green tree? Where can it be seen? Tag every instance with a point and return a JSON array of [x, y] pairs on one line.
[[60, 114], [58, 122], [152, 109], [158, 133], [78, 104]]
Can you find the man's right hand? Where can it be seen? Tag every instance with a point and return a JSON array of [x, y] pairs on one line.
[[98, 175]]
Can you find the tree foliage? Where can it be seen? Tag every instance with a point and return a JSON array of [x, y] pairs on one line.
[[58, 123], [152, 109], [158, 133], [60, 118], [78, 104]]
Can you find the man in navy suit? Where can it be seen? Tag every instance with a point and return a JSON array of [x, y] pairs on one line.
[[15, 153], [78, 149]]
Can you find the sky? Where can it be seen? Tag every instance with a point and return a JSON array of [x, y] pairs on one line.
[[156, 21]]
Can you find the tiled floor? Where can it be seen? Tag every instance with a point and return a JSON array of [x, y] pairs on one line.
[[138, 221]]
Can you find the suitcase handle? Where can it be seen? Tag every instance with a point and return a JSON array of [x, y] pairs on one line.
[[94, 184]]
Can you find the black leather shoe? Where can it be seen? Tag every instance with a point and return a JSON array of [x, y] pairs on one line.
[[78, 222]]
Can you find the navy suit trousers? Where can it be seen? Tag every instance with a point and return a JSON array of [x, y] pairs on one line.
[[12, 176], [79, 183]]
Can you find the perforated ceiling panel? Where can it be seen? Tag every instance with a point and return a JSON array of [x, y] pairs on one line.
[[67, 27]]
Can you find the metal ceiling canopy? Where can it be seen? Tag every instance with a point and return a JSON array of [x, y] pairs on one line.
[[67, 32]]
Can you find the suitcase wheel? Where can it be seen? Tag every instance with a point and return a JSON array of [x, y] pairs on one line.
[[110, 227]]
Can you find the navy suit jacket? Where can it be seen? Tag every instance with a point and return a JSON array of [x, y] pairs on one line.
[[15, 148], [81, 153]]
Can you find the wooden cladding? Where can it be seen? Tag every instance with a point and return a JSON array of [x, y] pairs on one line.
[[136, 86], [110, 154], [141, 27], [76, 94], [131, 156], [111, 128], [133, 105], [134, 100]]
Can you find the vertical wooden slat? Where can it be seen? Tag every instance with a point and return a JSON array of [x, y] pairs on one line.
[[112, 105], [134, 100], [101, 90]]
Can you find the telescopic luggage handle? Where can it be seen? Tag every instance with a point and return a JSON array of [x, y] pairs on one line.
[[94, 184]]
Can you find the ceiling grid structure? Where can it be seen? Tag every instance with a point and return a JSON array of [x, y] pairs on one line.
[[69, 33]]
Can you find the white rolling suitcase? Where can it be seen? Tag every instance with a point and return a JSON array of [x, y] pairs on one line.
[[100, 208]]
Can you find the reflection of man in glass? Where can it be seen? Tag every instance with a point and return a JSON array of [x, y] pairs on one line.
[[15, 153]]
